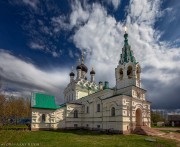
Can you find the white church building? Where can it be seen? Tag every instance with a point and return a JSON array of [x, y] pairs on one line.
[[93, 106]]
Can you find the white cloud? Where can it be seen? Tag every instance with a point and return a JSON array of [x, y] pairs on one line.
[[24, 74], [145, 43], [45, 47], [31, 3], [102, 37], [59, 23], [79, 14], [35, 45], [99, 35], [115, 3], [71, 53], [55, 54]]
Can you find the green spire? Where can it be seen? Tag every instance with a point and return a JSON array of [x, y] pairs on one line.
[[127, 54], [125, 39]]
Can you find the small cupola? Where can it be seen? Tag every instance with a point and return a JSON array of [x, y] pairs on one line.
[[92, 72], [78, 67], [84, 68], [72, 74]]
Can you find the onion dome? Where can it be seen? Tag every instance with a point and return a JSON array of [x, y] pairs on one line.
[[92, 71], [84, 68], [78, 67], [72, 74], [81, 65]]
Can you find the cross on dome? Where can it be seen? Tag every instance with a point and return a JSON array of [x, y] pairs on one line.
[[125, 29]]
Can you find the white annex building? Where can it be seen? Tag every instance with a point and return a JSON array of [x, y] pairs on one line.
[[95, 106]]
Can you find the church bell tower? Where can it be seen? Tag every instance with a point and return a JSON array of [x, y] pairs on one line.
[[128, 70]]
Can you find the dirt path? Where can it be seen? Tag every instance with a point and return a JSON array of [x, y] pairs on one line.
[[169, 135], [173, 129]]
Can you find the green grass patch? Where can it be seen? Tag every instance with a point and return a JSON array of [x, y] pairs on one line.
[[78, 138], [13, 127]]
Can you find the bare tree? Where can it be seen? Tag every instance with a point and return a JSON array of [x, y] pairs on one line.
[[12, 109]]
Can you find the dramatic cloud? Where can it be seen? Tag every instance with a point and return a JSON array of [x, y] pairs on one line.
[[80, 14], [26, 77], [102, 37], [101, 40]]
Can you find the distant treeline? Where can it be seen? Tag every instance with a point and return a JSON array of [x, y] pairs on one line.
[[12, 109]]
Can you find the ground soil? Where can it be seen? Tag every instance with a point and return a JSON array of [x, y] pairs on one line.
[[170, 135]]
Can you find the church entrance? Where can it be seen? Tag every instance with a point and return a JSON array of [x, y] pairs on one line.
[[138, 117]]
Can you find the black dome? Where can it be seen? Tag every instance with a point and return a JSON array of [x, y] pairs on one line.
[[92, 72], [78, 67], [84, 68], [71, 74]]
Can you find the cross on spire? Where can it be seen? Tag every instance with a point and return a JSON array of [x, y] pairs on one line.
[[125, 29], [82, 58], [125, 36]]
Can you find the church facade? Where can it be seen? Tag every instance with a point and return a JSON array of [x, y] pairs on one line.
[[93, 106]]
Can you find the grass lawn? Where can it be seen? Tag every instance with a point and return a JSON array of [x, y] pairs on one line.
[[13, 127], [77, 138]]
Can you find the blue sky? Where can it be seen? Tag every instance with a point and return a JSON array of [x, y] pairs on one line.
[[40, 40]]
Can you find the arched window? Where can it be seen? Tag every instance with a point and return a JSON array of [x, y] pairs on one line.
[[121, 73], [43, 117], [75, 114], [129, 72], [112, 111]]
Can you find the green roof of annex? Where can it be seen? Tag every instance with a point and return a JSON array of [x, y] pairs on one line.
[[43, 101]]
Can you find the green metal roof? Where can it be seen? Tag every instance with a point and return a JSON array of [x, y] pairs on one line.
[[127, 54], [43, 101]]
